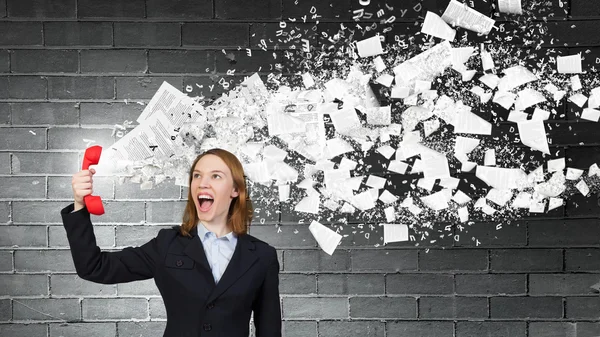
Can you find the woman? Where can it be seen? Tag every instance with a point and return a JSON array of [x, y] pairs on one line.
[[210, 272]]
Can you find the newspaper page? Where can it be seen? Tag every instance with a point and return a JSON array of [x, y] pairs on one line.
[[466, 17]]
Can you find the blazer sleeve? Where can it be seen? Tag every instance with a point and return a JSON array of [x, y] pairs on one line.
[[129, 264], [267, 309]]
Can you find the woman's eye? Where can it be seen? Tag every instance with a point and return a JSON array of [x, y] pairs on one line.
[[216, 176], [196, 175]]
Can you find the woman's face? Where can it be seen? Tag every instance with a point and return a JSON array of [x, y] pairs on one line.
[[212, 189]]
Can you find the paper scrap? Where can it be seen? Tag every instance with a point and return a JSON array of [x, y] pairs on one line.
[[510, 6], [528, 97], [555, 203], [379, 64], [533, 134], [573, 173], [463, 214], [397, 166], [502, 178], [463, 16], [583, 188], [461, 198], [369, 47], [569, 64], [435, 26], [556, 164], [387, 198], [327, 239], [489, 158], [578, 99], [390, 214], [375, 182], [394, 233], [590, 114]]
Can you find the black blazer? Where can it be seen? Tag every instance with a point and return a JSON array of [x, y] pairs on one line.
[[195, 305]]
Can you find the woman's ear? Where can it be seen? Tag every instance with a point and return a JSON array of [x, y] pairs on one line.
[[234, 192]]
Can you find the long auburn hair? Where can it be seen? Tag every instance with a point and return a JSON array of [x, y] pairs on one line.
[[240, 209]]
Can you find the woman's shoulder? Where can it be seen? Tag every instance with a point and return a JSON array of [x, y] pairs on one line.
[[260, 245]]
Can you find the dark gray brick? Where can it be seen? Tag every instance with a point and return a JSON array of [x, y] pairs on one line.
[[564, 233], [496, 329], [89, 34], [73, 285], [113, 61], [165, 190], [105, 236], [237, 9], [27, 87], [383, 307], [526, 307], [89, 329], [60, 187], [44, 260], [419, 284], [315, 307], [141, 328], [4, 87], [157, 309], [111, 9], [177, 61], [526, 260], [76, 138], [142, 34], [44, 113], [23, 330], [297, 284], [109, 113], [6, 261], [315, 260], [4, 212], [453, 307], [22, 236], [136, 235], [81, 87], [561, 329], [491, 284], [583, 307], [221, 35], [287, 236], [4, 61], [23, 285], [46, 309], [420, 329], [562, 284], [44, 61], [351, 284], [5, 163], [35, 212], [192, 9], [41, 9], [142, 88], [117, 308], [138, 288], [44, 162], [165, 211], [23, 187], [300, 329], [5, 113], [453, 259], [5, 310], [384, 260], [20, 33], [582, 259], [350, 329]]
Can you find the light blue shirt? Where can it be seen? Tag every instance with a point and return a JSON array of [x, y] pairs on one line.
[[218, 250]]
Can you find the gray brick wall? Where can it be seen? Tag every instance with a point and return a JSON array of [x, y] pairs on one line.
[[70, 70]]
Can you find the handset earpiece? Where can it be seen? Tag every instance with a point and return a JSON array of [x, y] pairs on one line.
[[92, 157]]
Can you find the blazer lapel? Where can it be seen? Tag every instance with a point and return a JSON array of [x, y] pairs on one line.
[[195, 250], [243, 258]]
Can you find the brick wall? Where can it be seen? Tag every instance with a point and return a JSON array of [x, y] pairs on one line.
[[71, 69]]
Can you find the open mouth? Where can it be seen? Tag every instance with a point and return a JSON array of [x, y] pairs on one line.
[[205, 202]]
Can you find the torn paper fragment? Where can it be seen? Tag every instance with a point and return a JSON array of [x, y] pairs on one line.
[[309, 204], [569, 64], [596, 287], [413, 115], [483, 96], [379, 115], [540, 114], [514, 77], [467, 75], [555, 203], [390, 214], [465, 144], [505, 99], [337, 88], [281, 123], [435, 26], [337, 146], [375, 182], [487, 209], [435, 166], [397, 166], [553, 187], [458, 14], [489, 158], [379, 64], [422, 86], [468, 122], [394, 233], [417, 166], [461, 198], [284, 192], [385, 80], [573, 173], [369, 47], [510, 6], [386, 151], [502, 178], [460, 56], [426, 65], [347, 164], [499, 196], [345, 121], [399, 91], [430, 127], [439, 200], [533, 134], [522, 200], [536, 175], [468, 166], [347, 208], [517, 116], [578, 99], [364, 200], [594, 170], [463, 214], [307, 80], [449, 182], [575, 83], [387, 198], [590, 114], [327, 239], [537, 206], [490, 80], [426, 183], [487, 62], [555, 165], [583, 188], [528, 97]]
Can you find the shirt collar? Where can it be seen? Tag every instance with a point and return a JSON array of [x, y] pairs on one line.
[[202, 231]]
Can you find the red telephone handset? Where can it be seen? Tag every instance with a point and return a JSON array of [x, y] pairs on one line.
[[92, 157]]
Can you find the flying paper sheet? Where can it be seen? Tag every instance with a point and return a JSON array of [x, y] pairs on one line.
[[569, 64], [394, 233], [463, 16], [510, 6], [369, 47], [514, 77], [533, 134], [327, 239], [435, 26], [502, 178], [425, 66]]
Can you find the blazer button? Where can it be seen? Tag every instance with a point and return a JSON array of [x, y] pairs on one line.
[[210, 305], [179, 263], [207, 327]]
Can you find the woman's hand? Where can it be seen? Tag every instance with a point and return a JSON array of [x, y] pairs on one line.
[[82, 185]]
